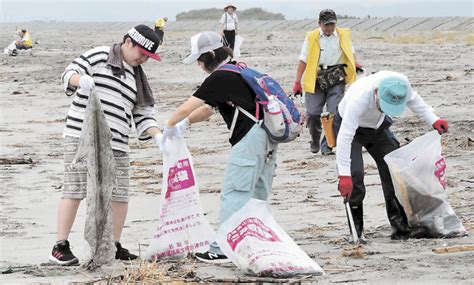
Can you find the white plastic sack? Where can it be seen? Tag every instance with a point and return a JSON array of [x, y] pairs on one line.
[[182, 227], [237, 44], [419, 176], [258, 245], [10, 48]]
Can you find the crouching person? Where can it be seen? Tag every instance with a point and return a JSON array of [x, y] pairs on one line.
[[116, 75], [249, 172], [363, 120]]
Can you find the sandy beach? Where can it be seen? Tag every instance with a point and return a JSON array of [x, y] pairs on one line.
[[304, 200]]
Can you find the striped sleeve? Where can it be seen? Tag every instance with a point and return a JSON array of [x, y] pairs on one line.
[[144, 118], [84, 64]]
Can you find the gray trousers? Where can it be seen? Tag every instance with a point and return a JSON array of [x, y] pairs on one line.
[[314, 103]]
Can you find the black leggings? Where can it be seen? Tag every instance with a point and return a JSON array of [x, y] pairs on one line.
[[230, 37]]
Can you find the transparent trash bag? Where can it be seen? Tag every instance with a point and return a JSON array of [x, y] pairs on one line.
[[237, 44], [419, 176]]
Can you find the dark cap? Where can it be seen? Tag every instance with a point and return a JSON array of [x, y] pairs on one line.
[[327, 16], [146, 39]]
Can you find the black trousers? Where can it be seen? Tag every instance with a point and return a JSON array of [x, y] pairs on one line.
[[378, 142], [230, 37], [161, 34]]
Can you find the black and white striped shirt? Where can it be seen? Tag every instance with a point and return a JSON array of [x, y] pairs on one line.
[[117, 97]]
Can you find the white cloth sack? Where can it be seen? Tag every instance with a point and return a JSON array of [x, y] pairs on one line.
[[182, 227], [419, 176], [10, 48], [237, 44], [258, 245]]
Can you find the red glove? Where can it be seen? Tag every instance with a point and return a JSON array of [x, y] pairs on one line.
[[441, 126], [345, 186], [297, 90]]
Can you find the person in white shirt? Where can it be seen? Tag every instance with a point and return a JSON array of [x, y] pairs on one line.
[[229, 25], [328, 63], [363, 119]]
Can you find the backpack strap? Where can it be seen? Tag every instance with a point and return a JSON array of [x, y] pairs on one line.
[[246, 113], [236, 69]]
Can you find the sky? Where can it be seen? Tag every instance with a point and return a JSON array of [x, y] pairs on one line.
[[148, 10]]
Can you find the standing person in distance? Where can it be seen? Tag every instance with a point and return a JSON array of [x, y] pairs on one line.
[[229, 25]]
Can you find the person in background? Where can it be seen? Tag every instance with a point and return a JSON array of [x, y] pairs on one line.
[[116, 75], [160, 27], [25, 41], [229, 25], [363, 120], [252, 160], [328, 63]]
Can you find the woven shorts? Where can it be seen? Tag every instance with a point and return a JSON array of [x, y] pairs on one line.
[[75, 180]]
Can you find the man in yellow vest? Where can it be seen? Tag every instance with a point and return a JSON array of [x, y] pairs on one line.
[[25, 41], [328, 63], [160, 28]]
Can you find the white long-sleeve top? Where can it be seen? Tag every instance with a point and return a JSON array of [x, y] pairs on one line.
[[358, 109], [229, 21]]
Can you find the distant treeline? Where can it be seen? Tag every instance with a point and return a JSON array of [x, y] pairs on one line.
[[215, 14]]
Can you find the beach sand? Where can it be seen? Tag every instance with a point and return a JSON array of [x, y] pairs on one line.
[[304, 198]]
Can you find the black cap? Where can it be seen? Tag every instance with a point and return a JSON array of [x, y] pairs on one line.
[[146, 39], [327, 16]]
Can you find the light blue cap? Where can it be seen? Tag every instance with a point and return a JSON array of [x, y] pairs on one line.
[[393, 95]]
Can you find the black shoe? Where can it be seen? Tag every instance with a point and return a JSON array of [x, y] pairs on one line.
[[211, 257], [123, 253], [62, 254], [418, 232], [397, 235], [314, 148], [414, 232], [314, 126], [327, 152]]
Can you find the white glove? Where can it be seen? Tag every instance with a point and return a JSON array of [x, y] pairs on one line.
[[182, 125], [170, 132], [86, 83], [159, 141]]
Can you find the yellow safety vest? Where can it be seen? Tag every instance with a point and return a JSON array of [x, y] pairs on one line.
[[29, 41], [160, 23], [312, 58]]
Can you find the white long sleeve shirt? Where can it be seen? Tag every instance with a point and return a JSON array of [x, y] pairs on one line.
[[358, 109], [229, 21]]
